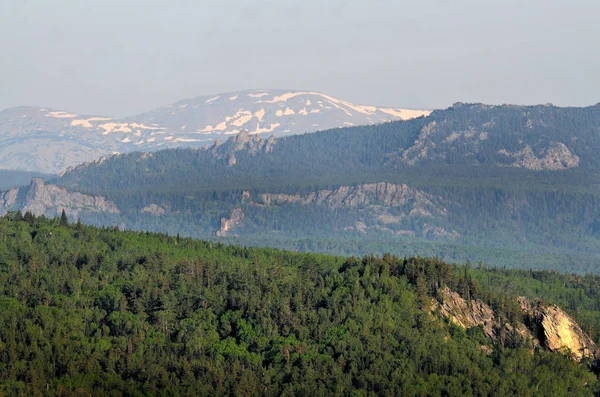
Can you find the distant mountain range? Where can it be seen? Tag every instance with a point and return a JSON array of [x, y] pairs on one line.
[[48, 140], [509, 185]]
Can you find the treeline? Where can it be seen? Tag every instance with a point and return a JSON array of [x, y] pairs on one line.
[[106, 312]]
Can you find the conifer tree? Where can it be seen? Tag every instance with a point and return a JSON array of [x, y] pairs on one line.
[[64, 220]]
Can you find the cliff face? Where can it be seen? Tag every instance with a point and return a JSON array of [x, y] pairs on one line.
[[227, 224], [557, 330], [466, 314], [381, 194], [393, 209], [49, 200], [243, 141], [545, 326]]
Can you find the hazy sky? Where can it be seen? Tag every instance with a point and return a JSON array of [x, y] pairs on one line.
[[122, 57]]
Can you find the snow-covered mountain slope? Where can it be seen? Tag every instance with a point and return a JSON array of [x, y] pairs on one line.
[[268, 111], [49, 140]]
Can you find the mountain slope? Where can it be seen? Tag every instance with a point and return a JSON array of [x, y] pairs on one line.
[[48, 140], [89, 311], [541, 210], [269, 111]]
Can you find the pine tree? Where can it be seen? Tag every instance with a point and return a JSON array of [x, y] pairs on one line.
[[64, 220]]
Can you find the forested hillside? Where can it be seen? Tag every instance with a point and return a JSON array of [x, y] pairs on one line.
[[109, 312], [508, 185], [499, 137]]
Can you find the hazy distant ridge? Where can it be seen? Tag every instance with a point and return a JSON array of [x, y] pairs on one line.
[[49, 140]]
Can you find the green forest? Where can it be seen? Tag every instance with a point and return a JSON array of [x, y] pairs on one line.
[[100, 311]]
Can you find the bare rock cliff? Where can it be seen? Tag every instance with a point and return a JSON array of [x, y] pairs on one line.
[[40, 198], [466, 314], [557, 330], [227, 224], [242, 142], [381, 193], [546, 326]]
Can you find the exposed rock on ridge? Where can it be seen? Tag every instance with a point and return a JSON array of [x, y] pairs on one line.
[[251, 144], [556, 157], [227, 224], [382, 207], [546, 326], [557, 330], [380, 194], [49, 200], [466, 314]]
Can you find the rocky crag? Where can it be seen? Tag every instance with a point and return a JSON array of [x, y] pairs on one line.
[[380, 207], [49, 200], [544, 326]]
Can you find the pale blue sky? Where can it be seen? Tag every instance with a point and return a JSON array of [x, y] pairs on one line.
[[122, 57]]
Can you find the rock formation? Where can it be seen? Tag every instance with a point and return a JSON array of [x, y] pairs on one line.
[[252, 144], [466, 314], [227, 224], [40, 198], [381, 193], [556, 157], [546, 326], [556, 330], [154, 209]]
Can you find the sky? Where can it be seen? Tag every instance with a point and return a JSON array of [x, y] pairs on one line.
[[124, 57]]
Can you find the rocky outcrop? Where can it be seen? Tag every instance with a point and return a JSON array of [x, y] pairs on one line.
[[390, 208], [556, 330], [154, 209], [545, 326], [227, 224], [380, 194], [466, 314], [556, 157], [243, 141], [40, 198]]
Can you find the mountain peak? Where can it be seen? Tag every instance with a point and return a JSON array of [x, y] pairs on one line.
[[50, 140]]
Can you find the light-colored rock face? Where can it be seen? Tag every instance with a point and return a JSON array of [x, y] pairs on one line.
[[227, 224], [380, 207], [251, 144], [556, 157], [562, 332], [558, 330], [49, 200], [153, 209], [49, 140], [435, 142], [381, 194], [466, 314]]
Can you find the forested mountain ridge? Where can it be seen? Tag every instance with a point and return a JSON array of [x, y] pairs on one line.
[[98, 311], [518, 185], [515, 137], [50, 140]]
